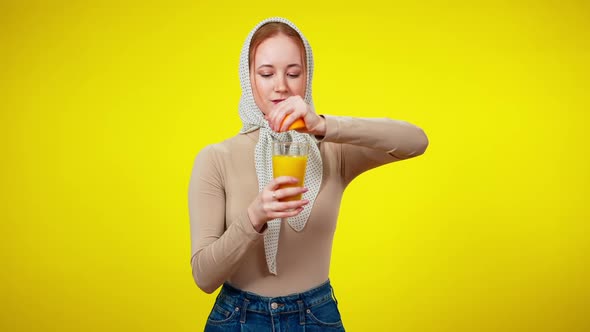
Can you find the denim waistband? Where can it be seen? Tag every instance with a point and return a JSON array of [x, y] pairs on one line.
[[276, 305]]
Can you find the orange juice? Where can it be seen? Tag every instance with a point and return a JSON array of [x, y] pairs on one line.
[[284, 165]]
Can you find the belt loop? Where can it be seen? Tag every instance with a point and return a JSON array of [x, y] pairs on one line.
[[334, 295], [244, 308], [301, 312]]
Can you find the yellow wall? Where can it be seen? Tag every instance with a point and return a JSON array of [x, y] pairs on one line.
[[103, 108]]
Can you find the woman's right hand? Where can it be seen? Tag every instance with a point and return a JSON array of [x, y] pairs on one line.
[[268, 206]]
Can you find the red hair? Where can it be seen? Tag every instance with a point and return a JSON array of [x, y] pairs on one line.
[[270, 30]]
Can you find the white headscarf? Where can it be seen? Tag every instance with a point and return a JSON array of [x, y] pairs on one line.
[[252, 119]]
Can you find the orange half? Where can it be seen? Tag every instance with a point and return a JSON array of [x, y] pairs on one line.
[[298, 124]]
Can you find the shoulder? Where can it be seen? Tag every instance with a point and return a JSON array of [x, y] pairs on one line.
[[217, 152]]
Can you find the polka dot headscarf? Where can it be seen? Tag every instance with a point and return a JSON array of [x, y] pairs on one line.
[[252, 119]]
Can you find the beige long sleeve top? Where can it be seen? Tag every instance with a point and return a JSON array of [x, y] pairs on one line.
[[225, 245]]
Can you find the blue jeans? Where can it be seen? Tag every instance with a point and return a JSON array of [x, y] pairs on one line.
[[310, 311]]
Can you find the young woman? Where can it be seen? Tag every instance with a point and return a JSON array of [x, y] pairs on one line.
[[271, 256]]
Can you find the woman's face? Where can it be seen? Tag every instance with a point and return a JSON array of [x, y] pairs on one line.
[[277, 72]]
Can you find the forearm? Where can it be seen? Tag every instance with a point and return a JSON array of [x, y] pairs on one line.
[[400, 139], [217, 258]]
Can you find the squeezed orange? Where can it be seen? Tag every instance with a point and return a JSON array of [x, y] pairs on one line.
[[298, 124]]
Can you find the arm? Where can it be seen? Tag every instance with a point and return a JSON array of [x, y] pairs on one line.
[[216, 251], [368, 143]]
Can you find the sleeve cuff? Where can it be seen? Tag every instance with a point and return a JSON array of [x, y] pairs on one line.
[[248, 228], [333, 128]]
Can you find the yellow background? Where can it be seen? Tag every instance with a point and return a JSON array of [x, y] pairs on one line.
[[104, 106]]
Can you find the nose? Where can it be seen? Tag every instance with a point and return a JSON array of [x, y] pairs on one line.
[[280, 83]]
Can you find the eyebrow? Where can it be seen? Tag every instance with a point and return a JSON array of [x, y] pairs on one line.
[[271, 66]]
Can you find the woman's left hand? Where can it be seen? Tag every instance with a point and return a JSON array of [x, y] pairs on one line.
[[292, 109]]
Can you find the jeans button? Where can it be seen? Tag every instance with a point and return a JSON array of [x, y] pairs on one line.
[[274, 305]]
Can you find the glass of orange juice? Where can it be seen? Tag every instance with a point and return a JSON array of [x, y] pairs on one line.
[[290, 159]]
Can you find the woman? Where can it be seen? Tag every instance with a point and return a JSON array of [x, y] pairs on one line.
[[271, 256]]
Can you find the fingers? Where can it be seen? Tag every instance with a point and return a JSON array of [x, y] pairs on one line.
[[278, 206], [280, 202], [285, 194], [275, 183], [286, 112], [283, 188], [287, 214], [275, 202], [286, 122], [280, 115], [285, 209]]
